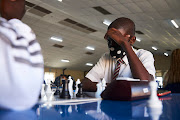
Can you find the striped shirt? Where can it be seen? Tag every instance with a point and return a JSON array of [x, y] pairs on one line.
[[21, 62]]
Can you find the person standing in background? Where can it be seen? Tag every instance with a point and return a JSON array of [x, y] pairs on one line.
[[171, 80], [22, 66]]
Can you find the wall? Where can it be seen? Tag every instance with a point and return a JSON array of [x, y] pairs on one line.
[[74, 73], [162, 63]]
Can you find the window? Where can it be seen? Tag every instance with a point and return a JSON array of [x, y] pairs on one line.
[[49, 76]]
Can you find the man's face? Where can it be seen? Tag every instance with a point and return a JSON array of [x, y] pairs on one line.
[[12, 9], [63, 77], [116, 51]]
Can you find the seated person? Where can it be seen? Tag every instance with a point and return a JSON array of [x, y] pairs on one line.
[[171, 80], [58, 79], [123, 60], [65, 77], [22, 67]]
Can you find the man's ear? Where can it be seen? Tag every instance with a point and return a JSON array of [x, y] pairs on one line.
[[132, 40]]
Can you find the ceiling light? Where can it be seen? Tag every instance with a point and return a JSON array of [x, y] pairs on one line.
[[138, 40], [107, 22], [60, 0], [56, 39], [90, 48], [63, 60], [89, 64], [166, 54], [154, 48], [175, 24]]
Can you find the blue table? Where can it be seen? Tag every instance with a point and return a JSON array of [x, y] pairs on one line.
[[101, 110]]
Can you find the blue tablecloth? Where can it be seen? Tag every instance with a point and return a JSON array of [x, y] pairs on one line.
[[101, 110]]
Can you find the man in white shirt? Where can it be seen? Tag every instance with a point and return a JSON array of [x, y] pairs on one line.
[[123, 60], [22, 66]]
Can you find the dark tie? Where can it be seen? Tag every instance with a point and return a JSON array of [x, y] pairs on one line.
[[118, 65]]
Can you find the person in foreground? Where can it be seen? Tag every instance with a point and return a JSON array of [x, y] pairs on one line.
[[122, 60], [21, 62], [172, 78]]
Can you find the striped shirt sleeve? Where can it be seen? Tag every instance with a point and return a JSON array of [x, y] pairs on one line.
[[22, 65]]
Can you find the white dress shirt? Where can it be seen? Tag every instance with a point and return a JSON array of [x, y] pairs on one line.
[[22, 65], [106, 65]]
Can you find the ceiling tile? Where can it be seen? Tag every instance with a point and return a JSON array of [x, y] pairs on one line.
[[122, 9], [133, 7], [159, 5], [145, 6]]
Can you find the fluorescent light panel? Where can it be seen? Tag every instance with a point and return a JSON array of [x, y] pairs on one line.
[[107, 22], [89, 64], [175, 24], [154, 48], [166, 54], [138, 40], [56, 39], [60, 0], [64, 60], [90, 48]]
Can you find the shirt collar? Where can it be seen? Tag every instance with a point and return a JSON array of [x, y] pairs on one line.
[[14, 21], [135, 50], [120, 60], [125, 59]]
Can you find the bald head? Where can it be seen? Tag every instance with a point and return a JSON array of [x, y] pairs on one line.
[[10, 9], [124, 23]]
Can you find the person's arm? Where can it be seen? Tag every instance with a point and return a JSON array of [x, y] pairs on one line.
[[88, 85], [137, 68], [95, 75]]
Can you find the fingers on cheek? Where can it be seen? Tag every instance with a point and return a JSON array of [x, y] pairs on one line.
[[105, 37], [108, 34], [113, 29]]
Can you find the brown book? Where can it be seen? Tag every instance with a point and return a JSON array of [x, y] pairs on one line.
[[126, 90]]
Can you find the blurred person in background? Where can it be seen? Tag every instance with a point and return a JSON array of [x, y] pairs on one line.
[[171, 80]]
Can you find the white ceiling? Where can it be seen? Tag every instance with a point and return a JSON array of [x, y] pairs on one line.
[[152, 17]]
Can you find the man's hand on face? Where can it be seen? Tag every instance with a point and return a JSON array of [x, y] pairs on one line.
[[117, 36]]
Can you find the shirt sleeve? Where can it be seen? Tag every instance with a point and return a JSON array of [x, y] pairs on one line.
[[21, 75], [97, 72], [147, 60]]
